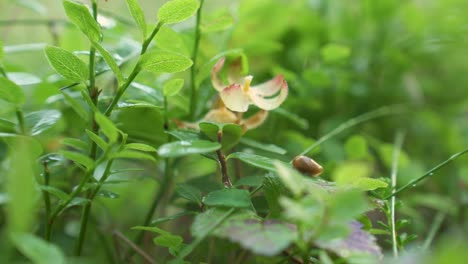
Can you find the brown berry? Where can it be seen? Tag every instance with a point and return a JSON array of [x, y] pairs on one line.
[[307, 166]]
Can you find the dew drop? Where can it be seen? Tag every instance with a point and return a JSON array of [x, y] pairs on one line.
[[414, 185]]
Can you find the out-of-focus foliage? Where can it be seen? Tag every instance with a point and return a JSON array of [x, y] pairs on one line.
[[341, 59]]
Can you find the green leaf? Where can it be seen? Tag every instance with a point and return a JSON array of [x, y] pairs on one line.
[[107, 127], [183, 148], [168, 39], [356, 147], [77, 107], [255, 160], [56, 192], [138, 15], [34, 146], [37, 250], [251, 181], [23, 78], [189, 192], [75, 143], [273, 189], [153, 229], [173, 87], [291, 179], [169, 241], [7, 126], [77, 201], [217, 22], [130, 154], [228, 198], [177, 11], [345, 206], [349, 172], [160, 61], [67, 64], [11, 92], [266, 147], [80, 16], [140, 147], [20, 184], [335, 53], [97, 139], [79, 158], [369, 184], [267, 238], [41, 121], [231, 133], [172, 217], [110, 61]]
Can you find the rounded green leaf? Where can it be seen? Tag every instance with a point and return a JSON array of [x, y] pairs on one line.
[[228, 198], [177, 11], [164, 62], [11, 92], [82, 18], [256, 160], [67, 64], [183, 148], [231, 133], [173, 87]]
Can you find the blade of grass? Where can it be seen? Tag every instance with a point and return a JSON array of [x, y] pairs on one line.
[[428, 173], [383, 111], [396, 155], [438, 220]]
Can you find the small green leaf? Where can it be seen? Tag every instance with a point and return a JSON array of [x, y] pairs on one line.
[[172, 217], [107, 127], [77, 107], [189, 192], [153, 229], [77, 201], [266, 147], [169, 241], [79, 158], [217, 22], [11, 92], [75, 143], [67, 64], [335, 53], [255, 160], [183, 148], [228, 198], [41, 121], [160, 61], [231, 133], [7, 126], [138, 15], [177, 11], [97, 139], [130, 154], [37, 250], [291, 179], [56, 192], [173, 87], [356, 147], [110, 61], [251, 181], [140, 147], [168, 39], [369, 184], [80, 16]]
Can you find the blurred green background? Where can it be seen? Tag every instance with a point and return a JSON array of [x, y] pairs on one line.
[[340, 58]]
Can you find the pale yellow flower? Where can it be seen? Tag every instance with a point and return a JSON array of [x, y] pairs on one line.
[[239, 94]]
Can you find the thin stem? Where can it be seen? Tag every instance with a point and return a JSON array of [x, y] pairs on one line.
[[438, 220], [46, 198], [136, 70], [193, 87], [396, 155], [383, 111], [427, 174], [222, 161], [21, 124], [135, 247]]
